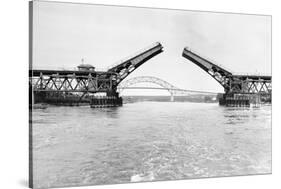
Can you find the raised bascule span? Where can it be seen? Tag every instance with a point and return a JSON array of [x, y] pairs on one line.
[[87, 81], [91, 81], [236, 87], [128, 65]]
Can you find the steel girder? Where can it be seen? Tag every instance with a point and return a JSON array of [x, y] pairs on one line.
[[87, 81], [248, 85], [72, 83], [124, 67], [231, 83]]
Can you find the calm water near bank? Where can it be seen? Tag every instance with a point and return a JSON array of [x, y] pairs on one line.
[[148, 141]]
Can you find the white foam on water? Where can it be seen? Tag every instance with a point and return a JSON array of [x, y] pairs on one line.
[[143, 177]]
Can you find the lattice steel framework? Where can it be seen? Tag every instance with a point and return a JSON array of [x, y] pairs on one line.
[[72, 81], [246, 84], [124, 67], [91, 81], [250, 84]]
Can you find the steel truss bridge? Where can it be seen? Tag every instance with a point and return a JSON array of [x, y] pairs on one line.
[[232, 83], [84, 82], [163, 85]]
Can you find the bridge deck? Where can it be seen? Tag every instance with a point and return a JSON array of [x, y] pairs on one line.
[[35, 73], [254, 77], [207, 65], [129, 64], [172, 89]]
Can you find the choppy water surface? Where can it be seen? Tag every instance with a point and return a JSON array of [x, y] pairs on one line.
[[148, 141]]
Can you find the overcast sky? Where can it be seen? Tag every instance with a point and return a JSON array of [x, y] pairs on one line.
[[65, 33]]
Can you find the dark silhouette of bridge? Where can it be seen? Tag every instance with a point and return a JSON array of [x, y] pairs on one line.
[[236, 86], [163, 85], [231, 83], [90, 81], [83, 82]]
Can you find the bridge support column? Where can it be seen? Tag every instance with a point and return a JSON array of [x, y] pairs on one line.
[[172, 97]]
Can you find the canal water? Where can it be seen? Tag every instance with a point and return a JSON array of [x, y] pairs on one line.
[[148, 141]]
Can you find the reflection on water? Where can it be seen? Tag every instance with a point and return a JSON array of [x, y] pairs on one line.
[[148, 141]]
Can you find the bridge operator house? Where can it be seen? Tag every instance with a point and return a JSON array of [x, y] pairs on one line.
[[125, 94]]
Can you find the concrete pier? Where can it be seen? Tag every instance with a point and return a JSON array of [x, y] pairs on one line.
[[240, 100], [106, 101]]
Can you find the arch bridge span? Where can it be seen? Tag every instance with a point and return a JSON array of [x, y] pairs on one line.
[[163, 85]]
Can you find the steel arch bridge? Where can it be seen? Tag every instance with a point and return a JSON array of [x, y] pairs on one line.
[[164, 85]]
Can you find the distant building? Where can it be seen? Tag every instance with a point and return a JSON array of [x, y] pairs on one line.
[[86, 67]]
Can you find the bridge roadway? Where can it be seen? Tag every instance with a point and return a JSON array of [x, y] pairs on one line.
[[163, 85], [65, 73], [173, 90]]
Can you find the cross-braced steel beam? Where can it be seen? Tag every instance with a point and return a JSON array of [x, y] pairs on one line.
[[128, 65], [72, 81], [246, 84], [91, 81]]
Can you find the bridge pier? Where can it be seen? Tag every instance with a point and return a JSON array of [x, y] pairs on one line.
[[244, 99], [240, 90], [172, 97], [111, 99], [63, 87]]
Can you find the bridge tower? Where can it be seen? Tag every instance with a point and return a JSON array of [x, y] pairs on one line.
[[239, 89]]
